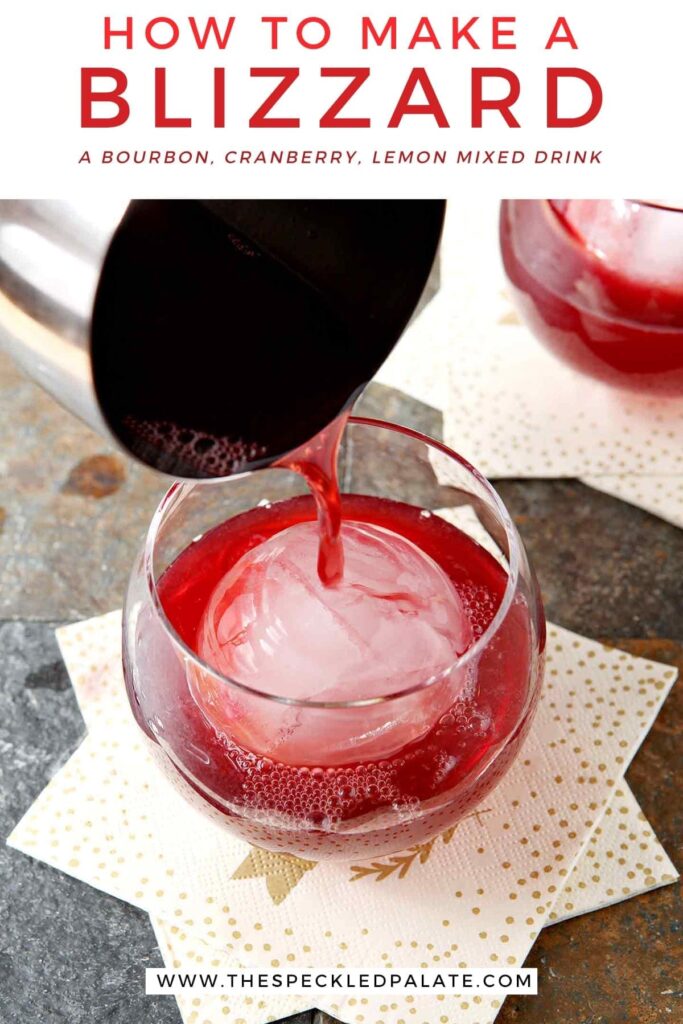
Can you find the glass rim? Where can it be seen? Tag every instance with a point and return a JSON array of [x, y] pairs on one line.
[[558, 222], [664, 207], [650, 204], [181, 488]]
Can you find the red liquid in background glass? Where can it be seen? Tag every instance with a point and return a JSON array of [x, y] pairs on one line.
[[600, 282], [325, 808]]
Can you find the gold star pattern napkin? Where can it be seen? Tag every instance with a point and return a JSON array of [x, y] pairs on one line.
[[477, 895]]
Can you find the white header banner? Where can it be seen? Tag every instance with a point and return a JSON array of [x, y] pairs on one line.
[[356, 99]]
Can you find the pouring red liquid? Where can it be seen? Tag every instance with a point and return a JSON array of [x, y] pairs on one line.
[[317, 464], [329, 674]]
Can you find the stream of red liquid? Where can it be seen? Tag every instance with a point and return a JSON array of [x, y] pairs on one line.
[[317, 463]]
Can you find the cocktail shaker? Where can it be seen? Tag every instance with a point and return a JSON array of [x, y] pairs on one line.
[[210, 337]]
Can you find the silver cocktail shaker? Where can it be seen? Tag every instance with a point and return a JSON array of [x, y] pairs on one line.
[[209, 337]]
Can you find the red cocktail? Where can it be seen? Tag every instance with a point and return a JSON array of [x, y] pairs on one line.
[[325, 718], [600, 282]]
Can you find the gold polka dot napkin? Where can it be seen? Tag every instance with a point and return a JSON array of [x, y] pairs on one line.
[[515, 410], [616, 849], [623, 857], [474, 896], [509, 406]]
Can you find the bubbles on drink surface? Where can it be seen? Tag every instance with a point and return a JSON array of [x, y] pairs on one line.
[[393, 622], [323, 797], [182, 449]]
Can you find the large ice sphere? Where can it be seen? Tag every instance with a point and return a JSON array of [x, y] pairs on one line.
[[394, 622]]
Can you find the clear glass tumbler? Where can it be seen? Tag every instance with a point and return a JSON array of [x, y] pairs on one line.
[[343, 779]]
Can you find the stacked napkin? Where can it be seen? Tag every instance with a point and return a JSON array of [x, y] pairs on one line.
[[476, 896]]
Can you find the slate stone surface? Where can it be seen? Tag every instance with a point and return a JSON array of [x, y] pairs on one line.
[[65, 553], [72, 514], [68, 953]]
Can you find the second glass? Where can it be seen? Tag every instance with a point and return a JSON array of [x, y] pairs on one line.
[[600, 283]]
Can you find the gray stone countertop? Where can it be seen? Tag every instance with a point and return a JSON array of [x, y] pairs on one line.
[[72, 514]]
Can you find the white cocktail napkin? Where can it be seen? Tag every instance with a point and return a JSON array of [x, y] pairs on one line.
[[515, 410], [476, 896]]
